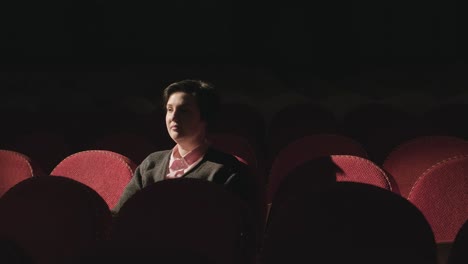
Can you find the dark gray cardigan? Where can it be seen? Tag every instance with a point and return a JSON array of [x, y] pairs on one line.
[[216, 166]]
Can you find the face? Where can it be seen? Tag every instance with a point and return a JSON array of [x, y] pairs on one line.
[[183, 120]]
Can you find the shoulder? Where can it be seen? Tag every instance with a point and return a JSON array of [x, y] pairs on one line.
[[156, 157], [225, 161], [233, 174], [219, 157], [159, 154]]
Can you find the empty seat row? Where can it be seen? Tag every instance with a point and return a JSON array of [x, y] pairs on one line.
[[60, 220], [108, 173]]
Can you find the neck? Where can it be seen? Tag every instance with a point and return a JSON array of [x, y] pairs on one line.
[[186, 147]]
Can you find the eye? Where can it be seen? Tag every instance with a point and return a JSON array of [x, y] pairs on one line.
[[169, 109]]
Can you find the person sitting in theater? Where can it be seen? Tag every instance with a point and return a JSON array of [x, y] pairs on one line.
[[191, 105]]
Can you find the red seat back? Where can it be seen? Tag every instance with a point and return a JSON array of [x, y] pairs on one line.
[[357, 169], [187, 214], [14, 168], [308, 148], [106, 172], [342, 168], [54, 219], [411, 158], [348, 222], [441, 194]]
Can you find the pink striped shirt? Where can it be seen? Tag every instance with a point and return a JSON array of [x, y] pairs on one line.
[[179, 165]]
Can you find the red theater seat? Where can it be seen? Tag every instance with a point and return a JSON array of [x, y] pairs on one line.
[[441, 194], [308, 148], [411, 158], [339, 168], [106, 172], [14, 168], [348, 222], [187, 214], [53, 219]]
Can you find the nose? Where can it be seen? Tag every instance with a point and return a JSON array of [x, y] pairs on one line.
[[175, 115]]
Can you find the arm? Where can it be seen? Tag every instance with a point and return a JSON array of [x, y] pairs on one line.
[[242, 183], [132, 187]]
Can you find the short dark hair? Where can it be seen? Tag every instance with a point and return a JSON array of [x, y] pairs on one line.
[[204, 93]]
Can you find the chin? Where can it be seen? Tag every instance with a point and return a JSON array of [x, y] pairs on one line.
[[177, 138]]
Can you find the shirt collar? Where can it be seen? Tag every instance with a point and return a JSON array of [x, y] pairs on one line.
[[191, 156]]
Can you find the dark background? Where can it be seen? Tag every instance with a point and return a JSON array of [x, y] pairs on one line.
[[86, 69], [70, 51]]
